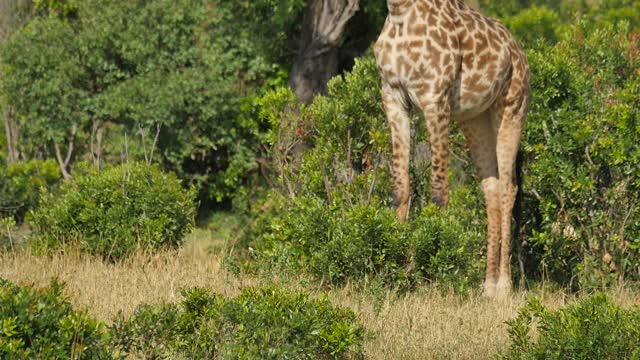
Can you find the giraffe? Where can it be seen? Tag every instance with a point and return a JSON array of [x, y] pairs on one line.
[[453, 63]]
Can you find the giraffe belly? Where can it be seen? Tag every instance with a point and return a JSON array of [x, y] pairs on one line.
[[473, 95]]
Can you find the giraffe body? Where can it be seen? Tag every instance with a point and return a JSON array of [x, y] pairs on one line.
[[454, 64]]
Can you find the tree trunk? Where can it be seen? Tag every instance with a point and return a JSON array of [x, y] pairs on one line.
[[64, 162], [323, 28], [12, 132]]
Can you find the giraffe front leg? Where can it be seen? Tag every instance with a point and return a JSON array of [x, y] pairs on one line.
[[437, 120], [397, 110]]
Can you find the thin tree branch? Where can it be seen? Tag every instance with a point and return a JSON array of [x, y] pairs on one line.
[[155, 140]]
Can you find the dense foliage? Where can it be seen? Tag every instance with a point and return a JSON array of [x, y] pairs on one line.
[[581, 173], [261, 323], [167, 74], [330, 213], [593, 328], [21, 184], [116, 211], [41, 323], [174, 83], [580, 198]]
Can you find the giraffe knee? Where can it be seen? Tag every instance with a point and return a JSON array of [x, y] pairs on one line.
[[490, 188]]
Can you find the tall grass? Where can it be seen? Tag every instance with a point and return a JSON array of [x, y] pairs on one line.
[[426, 324]]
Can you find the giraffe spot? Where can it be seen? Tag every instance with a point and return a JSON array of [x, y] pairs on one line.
[[418, 30], [415, 75], [434, 57], [412, 17], [432, 21], [453, 40], [467, 43], [468, 62], [422, 8], [482, 26], [440, 37], [416, 44], [446, 59], [472, 80], [483, 61], [392, 32], [481, 42], [422, 91]]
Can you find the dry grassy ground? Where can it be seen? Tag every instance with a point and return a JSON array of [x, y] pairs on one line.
[[422, 325]]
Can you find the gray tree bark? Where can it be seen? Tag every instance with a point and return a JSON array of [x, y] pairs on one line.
[[323, 29], [12, 133]]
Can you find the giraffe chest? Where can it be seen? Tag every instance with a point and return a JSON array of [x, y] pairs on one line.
[[411, 60]]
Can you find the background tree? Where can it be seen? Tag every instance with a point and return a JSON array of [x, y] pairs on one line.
[[323, 29]]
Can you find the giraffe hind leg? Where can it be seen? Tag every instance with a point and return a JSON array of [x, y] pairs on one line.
[[480, 135], [511, 120]]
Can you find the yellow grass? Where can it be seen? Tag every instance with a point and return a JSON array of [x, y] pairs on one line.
[[422, 325]]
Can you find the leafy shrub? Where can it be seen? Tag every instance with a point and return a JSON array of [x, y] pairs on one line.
[[21, 184], [336, 245], [330, 245], [40, 323], [330, 214], [532, 24], [8, 230], [116, 211], [261, 323], [177, 68], [448, 246], [582, 157], [594, 328]]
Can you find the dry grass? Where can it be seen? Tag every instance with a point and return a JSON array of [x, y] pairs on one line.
[[422, 325]]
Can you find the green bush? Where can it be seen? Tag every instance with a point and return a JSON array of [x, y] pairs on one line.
[[337, 245], [581, 179], [8, 231], [448, 246], [331, 245], [40, 323], [81, 69], [21, 184], [261, 323], [116, 211], [330, 213], [594, 328], [534, 24]]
